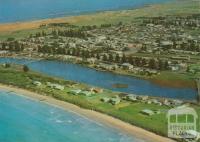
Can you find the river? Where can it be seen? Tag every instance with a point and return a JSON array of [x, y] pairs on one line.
[[78, 73]]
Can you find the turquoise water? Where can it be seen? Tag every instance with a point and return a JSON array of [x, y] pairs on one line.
[[25, 120], [23, 10], [106, 80]]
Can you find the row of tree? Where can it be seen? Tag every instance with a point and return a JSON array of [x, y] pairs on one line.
[[69, 33], [188, 21], [12, 46], [136, 61]]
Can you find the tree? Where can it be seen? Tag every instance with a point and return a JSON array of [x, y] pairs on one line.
[[152, 64], [123, 58], [105, 58], [117, 58], [130, 60], [110, 57], [10, 39], [161, 65], [137, 61], [144, 62], [25, 68], [166, 66], [7, 65], [97, 56]]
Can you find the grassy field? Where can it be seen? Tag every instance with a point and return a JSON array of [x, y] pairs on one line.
[[126, 110], [176, 7], [174, 79]]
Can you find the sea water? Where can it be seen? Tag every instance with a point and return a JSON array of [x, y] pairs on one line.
[[25, 10], [26, 120]]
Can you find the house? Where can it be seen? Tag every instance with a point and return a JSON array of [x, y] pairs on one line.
[[58, 87], [55, 86], [3, 53], [166, 44], [152, 72], [105, 99], [147, 112], [127, 66], [155, 101], [92, 60], [174, 67], [177, 102], [143, 98], [75, 92], [106, 66], [37, 83], [166, 102], [115, 100], [131, 97], [85, 93], [96, 90]]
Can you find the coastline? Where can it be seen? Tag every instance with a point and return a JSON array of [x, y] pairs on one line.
[[93, 115], [86, 18]]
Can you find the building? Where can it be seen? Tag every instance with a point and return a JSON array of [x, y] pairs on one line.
[[75, 92], [115, 100], [55, 86], [37, 83], [85, 93], [131, 97], [127, 66], [105, 99], [147, 112]]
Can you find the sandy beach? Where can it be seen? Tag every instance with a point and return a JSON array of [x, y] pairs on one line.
[[10, 27], [102, 16], [93, 115]]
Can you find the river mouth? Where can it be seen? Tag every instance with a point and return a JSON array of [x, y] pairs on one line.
[[81, 74]]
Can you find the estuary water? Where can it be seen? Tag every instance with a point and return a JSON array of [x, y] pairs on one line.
[[25, 120], [106, 80], [25, 10]]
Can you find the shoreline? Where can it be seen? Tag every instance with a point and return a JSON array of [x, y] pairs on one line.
[[93, 115], [74, 19]]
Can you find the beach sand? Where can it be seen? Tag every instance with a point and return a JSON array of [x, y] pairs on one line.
[[17, 26], [93, 115]]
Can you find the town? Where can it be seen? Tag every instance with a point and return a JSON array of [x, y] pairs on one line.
[[128, 75], [144, 47]]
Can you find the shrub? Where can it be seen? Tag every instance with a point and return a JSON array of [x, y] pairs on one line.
[[25, 68]]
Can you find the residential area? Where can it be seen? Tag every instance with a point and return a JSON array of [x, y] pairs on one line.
[[144, 47]]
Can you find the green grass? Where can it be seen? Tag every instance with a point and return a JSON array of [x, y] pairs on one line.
[[175, 79]]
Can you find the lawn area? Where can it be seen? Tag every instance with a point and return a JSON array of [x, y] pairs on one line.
[[175, 79]]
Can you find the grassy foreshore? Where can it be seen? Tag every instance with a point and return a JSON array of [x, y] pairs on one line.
[[126, 111]]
